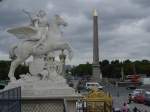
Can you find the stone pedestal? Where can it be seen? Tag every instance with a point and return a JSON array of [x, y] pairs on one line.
[[96, 73], [45, 96], [49, 104], [42, 88]]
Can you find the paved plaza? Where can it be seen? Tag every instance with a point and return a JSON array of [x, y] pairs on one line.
[[118, 102], [120, 95]]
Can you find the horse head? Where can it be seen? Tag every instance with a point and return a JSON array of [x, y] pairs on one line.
[[60, 21]]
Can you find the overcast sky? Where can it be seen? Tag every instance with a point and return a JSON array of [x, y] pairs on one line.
[[124, 26]]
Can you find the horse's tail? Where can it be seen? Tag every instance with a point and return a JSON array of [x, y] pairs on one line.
[[12, 54]]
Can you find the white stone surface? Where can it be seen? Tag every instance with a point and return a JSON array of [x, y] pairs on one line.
[[48, 39], [43, 88], [40, 40], [36, 66]]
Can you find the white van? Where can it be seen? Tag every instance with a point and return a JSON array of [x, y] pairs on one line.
[[92, 85]]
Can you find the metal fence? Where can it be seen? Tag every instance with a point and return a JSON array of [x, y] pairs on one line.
[[10, 100], [93, 106], [44, 105]]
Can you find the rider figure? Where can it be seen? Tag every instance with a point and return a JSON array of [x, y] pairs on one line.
[[40, 23], [43, 27], [33, 18]]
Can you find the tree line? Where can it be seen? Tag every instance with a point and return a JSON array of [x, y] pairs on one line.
[[5, 66], [112, 69]]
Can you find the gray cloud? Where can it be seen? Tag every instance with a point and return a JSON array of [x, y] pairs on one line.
[[124, 28], [142, 3]]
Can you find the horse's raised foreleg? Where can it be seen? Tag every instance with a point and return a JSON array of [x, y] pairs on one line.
[[13, 67], [66, 46]]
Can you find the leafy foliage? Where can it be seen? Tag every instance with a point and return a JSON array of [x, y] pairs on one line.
[[112, 69], [82, 69], [4, 69]]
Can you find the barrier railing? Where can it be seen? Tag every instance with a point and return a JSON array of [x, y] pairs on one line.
[[10, 100]]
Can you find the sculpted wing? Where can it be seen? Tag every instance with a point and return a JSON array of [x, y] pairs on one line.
[[23, 32]]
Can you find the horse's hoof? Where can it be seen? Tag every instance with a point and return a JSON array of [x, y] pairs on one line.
[[12, 79]]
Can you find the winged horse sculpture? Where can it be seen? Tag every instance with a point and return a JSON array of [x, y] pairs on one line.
[[33, 46]]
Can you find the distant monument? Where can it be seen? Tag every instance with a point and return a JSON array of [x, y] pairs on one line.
[[45, 80], [97, 75]]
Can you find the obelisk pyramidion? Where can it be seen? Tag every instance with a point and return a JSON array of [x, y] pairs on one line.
[[97, 75]]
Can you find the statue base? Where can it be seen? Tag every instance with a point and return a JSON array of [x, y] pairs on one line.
[[42, 88], [49, 104], [45, 96]]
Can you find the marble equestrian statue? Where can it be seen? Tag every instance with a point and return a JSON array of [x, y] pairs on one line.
[[39, 38]]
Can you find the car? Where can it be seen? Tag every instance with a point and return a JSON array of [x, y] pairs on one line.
[[131, 87], [139, 98], [147, 98], [116, 109], [139, 90], [137, 93], [92, 85]]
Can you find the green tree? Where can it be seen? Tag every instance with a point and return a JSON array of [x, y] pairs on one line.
[[82, 69], [4, 69]]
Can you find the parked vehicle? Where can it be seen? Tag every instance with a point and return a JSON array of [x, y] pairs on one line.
[[92, 85], [139, 90], [139, 98], [136, 91], [138, 95], [131, 86], [147, 98], [116, 109]]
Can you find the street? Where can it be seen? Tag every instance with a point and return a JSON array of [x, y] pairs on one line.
[[120, 95]]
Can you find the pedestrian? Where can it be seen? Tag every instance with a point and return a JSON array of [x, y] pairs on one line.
[[136, 110], [113, 109], [128, 106], [125, 108], [129, 99]]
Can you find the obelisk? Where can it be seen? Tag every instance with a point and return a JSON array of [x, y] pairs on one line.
[[96, 76]]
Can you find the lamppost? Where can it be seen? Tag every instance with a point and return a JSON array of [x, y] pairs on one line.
[[62, 58], [122, 72]]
